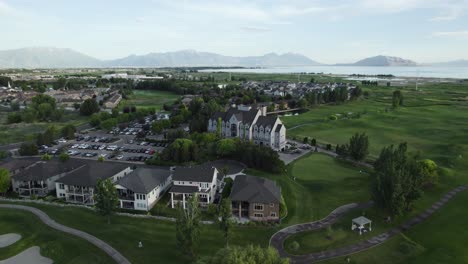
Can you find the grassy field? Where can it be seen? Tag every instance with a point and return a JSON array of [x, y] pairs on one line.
[[55, 245], [124, 233], [434, 123], [22, 131], [148, 98], [440, 239], [317, 184]]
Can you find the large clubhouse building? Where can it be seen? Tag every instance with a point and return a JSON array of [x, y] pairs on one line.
[[250, 124]]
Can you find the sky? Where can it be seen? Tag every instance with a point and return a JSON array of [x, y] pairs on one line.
[[327, 31]]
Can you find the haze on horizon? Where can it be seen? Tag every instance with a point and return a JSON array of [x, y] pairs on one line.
[[334, 31]]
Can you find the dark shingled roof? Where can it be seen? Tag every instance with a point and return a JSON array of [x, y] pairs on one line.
[[233, 166], [88, 175], [255, 190], [266, 121], [278, 128], [144, 180], [43, 170], [183, 189], [198, 173], [16, 164], [247, 117]]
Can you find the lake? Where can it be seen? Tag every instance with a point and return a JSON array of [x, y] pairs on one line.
[[416, 71]]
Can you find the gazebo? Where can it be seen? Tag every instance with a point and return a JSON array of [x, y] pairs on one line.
[[360, 223]]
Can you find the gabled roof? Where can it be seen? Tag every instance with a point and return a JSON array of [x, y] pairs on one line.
[[88, 175], [43, 170], [197, 173], [255, 190], [21, 163], [246, 117], [266, 121], [234, 167], [144, 179]]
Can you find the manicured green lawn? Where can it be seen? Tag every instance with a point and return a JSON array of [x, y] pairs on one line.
[[317, 184], [158, 237], [13, 133], [149, 98], [58, 246], [440, 239]]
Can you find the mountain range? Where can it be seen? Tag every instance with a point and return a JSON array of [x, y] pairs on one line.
[[48, 57]]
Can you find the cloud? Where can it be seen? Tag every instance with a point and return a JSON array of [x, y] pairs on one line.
[[140, 19], [255, 29], [463, 33]]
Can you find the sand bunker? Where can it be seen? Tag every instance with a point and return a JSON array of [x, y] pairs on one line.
[[9, 239], [31, 255]]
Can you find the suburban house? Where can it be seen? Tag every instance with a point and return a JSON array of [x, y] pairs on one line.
[[255, 198], [194, 180], [142, 188], [78, 185], [39, 178], [250, 124]]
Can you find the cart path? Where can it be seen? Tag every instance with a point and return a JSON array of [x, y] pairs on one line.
[[277, 240], [119, 258]]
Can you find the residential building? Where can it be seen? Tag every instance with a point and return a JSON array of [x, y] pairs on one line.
[[39, 178], [15, 166], [255, 198], [250, 124], [113, 101], [78, 186], [142, 188], [194, 180]]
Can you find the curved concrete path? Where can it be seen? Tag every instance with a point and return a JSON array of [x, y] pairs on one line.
[[92, 239], [277, 240]]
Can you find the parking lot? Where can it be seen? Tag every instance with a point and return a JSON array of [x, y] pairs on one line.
[[119, 144]]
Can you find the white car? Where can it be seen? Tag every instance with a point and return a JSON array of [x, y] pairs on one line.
[[119, 157], [62, 140], [74, 146], [102, 147]]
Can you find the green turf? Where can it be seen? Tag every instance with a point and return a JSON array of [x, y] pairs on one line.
[[149, 98], [440, 239], [12, 133], [58, 246], [158, 237], [317, 184]]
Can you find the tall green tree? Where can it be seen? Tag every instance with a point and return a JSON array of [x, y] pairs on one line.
[[89, 107], [188, 227], [225, 219], [396, 181], [397, 99], [4, 180], [106, 198], [68, 131], [358, 147]]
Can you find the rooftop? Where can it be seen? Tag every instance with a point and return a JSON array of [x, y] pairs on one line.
[[144, 179], [88, 175], [255, 190]]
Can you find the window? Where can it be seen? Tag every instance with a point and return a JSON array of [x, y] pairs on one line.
[[273, 214], [258, 207], [272, 205], [258, 215], [61, 186]]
